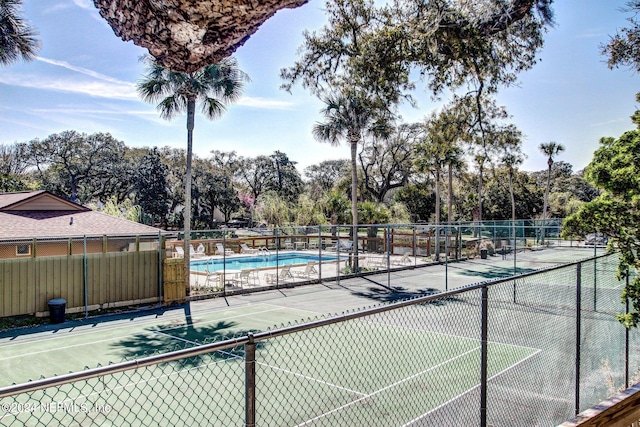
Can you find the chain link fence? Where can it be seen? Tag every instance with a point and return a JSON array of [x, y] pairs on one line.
[[531, 350], [227, 261]]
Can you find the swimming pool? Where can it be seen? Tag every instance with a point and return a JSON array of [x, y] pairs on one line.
[[256, 261]]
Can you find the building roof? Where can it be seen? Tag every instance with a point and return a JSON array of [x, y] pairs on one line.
[[42, 214]]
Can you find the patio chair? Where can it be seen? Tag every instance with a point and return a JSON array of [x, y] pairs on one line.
[[244, 249], [254, 277], [197, 252], [284, 275], [213, 277], [242, 278], [309, 270], [178, 252], [288, 244], [220, 250], [402, 261]]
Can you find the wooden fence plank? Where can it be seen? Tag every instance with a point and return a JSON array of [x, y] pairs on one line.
[[27, 285]]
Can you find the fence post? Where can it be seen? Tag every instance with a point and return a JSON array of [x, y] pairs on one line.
[[388, 244], [578, 327], [483, 355], [85, 277], [320, 253], [161, 247], [250, 381], [626, 338]]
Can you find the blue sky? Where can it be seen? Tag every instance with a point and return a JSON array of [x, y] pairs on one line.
[[84, 80]]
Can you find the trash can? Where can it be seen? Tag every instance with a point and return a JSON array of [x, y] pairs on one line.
[[483, 253], [56, 310]]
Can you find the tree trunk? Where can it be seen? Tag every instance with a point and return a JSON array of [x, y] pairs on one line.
[[513, 198], [450, 198], [513, 210], [546, 201], [191, 112], [480, 179], [354, 200], [437, 233]]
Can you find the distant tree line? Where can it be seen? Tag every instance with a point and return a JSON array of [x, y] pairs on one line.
[[400, 179]]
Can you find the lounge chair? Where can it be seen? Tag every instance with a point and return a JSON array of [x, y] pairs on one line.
[[244, 249], [284, 275], [341, 246], [309, 270], [220, 250]]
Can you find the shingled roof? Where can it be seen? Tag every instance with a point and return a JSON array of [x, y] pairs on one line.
[[43, 214]]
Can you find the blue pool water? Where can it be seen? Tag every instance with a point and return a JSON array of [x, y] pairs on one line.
[[256, 261]]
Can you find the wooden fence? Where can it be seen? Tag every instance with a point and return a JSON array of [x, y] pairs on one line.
[[621, 410], [112, 279]]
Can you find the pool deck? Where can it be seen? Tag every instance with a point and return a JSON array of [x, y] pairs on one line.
[[266, 277]]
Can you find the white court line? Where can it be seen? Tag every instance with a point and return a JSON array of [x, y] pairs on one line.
[[312, 379], [217, 320], [388, 387], [104, 340], [195, 344], [113, 328], [471, 389], [123, 387], [292, 308], [452, 335]]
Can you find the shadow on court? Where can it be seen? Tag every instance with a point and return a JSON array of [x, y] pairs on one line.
[[493, 272], [158, 340], [95, 320], [397, 293]]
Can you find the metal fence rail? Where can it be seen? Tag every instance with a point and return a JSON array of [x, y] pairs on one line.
[[529, 350]]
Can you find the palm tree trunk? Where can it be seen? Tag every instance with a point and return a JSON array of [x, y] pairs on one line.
[[546, 200], [450, 198], [480, 179], [354, 200], [437, 234], [191, 113], [513, 199], [513, 210]]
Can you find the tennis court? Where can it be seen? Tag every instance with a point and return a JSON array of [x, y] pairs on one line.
[[48, 350], [408, 367], [318, 387]]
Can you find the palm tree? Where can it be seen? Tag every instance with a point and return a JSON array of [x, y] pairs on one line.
[[454, 161], [551, 150], [213, 86], [349, 117], [512, 158], [17, 39]]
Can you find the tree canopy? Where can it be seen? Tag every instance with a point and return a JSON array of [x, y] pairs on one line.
[[615, 169]]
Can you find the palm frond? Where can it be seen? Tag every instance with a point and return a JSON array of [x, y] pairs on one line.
[[17, 39]]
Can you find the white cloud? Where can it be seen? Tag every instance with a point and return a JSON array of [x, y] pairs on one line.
[[84, 4], [81, 70], [269, 104], [89, 83], [101, 89]]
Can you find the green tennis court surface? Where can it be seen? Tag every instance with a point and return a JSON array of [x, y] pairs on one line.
[[109, 340], [291, 380], [45, 351]]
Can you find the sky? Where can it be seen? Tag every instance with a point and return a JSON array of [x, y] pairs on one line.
[[85, 77]]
